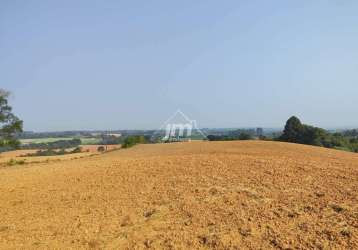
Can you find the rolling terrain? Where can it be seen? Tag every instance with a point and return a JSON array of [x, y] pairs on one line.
[[21, 155], [193, 195]]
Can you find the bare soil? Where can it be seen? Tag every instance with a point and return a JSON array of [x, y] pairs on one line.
[[20, 155], [193, 195]]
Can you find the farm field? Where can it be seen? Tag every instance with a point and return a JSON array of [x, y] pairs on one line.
[[19, 155], [193, 195], [44, 140], [84, 140]]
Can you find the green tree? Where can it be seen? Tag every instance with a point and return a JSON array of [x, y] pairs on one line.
[[10, 125], [130, 141], [293, 130], [313, 136], [297, 132]]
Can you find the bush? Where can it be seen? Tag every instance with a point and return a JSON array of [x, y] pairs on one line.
[[130, 141], [76, 150], [52, 152], [101, 149], [13, 162]]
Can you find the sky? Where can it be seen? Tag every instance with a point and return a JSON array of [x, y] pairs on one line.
[[76, 65]]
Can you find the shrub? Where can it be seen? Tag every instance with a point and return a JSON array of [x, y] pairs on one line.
[[130, 141], [52, 152], [101, 149], [76, 150], [13, 162]]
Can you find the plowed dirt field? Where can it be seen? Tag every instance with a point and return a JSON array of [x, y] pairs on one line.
[[193, 195]]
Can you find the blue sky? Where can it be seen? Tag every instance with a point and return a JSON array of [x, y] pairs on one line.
[[131, 64]]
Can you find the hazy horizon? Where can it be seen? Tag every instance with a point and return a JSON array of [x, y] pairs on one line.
[[89, 65], [211, 128]]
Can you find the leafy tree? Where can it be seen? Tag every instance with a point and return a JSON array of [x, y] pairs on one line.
[[313, 136], [297, 132], [10, 125], [293, 131], [130, 141]]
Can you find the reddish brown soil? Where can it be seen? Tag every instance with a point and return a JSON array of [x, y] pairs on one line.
[[194, 195]]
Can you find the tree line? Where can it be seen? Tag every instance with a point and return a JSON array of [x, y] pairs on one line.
[[234, 135], [60, 144], [297, 132]]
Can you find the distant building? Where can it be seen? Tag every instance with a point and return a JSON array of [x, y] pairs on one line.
[[114, 135], [259, 132]]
